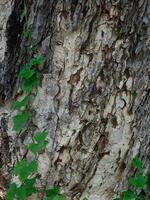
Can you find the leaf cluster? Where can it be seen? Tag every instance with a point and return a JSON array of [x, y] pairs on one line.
[[138, 182], [40, 142], [29, 74], [54, 194], [25, 171]]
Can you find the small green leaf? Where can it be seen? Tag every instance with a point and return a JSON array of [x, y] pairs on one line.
[[38, 60], [23, 169], [29, 84], [85, 198], [137, 163], [26, 34], [20, 120], [57, 197], [33, 166], [40, 136], [27, 72], [148, 178], [53, 191], [40, 144], [129, 195], [34, 49], [26, 189], [21, 192], [20, 166], [10, 195], [19, 104], [140, 198], [54, 194], [30, 188], [138, 181], [36, 147]]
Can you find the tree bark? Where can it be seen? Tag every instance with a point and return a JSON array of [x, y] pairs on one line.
[[93, 98]]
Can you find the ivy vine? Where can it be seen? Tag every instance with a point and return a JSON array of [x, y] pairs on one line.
[[139, 183], [26, 171]]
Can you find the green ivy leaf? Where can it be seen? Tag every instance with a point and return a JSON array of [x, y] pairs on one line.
[[27, 72], [53, 191], [57, 197], [40, 144], [139, 181], [21, 192], [23, 169], [34, 49], [140, 198], [26, 189], [10, 195], [54, 194], [20, 120], [137, 163], [40, 136], [38, 60], [30, 186], [20, 165], [36, 147], [29, 84], [19, 104], [148, 178], [33, 166], [26, 34], [129, 195]]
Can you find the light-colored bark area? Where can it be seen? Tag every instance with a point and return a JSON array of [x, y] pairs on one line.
[[5, 11], [93, 98]]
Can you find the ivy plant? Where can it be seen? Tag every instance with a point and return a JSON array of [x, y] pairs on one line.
[[54, 194], [39, 142], [137, 183], [24, 170], [20, 121]]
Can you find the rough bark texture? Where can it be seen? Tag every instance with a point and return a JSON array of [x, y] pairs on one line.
[[94, 95]]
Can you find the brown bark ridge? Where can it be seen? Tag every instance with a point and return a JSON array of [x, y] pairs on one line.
[[94, 95]]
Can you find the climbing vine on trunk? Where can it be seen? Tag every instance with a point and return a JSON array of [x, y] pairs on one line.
[[27, 171]]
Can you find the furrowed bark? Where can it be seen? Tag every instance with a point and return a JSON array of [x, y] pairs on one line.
[[94, 95]]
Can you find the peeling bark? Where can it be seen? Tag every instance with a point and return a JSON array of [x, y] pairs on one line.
[[94, 94]]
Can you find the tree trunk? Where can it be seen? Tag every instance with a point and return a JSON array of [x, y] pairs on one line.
[[93, 98]]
